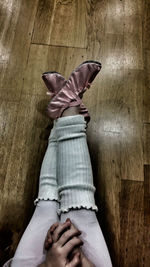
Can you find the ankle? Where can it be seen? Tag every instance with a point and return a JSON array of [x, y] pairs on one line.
[[71, 111]]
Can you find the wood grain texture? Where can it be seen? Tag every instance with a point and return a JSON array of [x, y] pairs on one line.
[[147, 26], [8, 22], [114, 20], [23, 148], [58, 35], [146, 100], [146, 214], [146, 43], [48, 58], [69, 24], [43, 21], [61, 23], [11, 84], [108, 180], [36, 65], [131, 224], [146, 143], [133, 50]]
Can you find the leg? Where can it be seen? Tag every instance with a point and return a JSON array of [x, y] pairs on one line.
[[76, 189], [94, 246], [30, 249]]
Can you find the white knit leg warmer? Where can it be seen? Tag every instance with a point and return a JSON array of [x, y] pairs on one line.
[[48, 179], [74, 172]]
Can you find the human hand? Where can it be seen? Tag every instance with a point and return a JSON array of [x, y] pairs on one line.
[[60, 241], [52, 235]]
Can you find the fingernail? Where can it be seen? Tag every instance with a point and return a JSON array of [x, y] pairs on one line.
[[68, 223], [78, 254], [50, 240], [68, 220]]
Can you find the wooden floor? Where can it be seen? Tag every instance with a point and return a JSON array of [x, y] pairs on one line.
[[38, 36]]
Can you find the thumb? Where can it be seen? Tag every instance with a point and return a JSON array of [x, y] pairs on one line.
[[75, 261]]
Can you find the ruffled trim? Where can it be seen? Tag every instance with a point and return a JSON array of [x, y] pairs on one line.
[[77, 207], [44, 198]]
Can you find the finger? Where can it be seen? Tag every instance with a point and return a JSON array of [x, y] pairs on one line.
[[68, 220], [71, 244], [48, 240], [53, 227], [67, 235], [49, 234], [75, 262], [47, 245], [59, 230], [73, 253], [72, 225]]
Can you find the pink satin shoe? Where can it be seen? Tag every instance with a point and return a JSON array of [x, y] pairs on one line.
[[70, 95], [54, 81], [81, 78], [64, 99]]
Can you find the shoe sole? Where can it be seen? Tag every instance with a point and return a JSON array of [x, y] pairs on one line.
[[94, 74], [85, 62], [88, 61], [48, 72]]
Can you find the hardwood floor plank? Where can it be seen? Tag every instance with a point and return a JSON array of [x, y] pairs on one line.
[[118, 110], [69, 24], [146, 102], [96, 28], [58, 35], [147, 25], [114, 19], [8, 117], [120, 95], [146, 214], [146, 143], [107, 88], [107, 181], [43, 21], [133, 49], [67, 59], [146, 52], [135, 7], [132, 152], [37, 64], [133, 93], [131, 224], [8, 21], [26, 151], [13, 78], [49, 58]]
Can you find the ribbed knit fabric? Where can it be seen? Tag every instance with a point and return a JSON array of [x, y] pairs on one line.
[[48, 179], [74, 171]]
